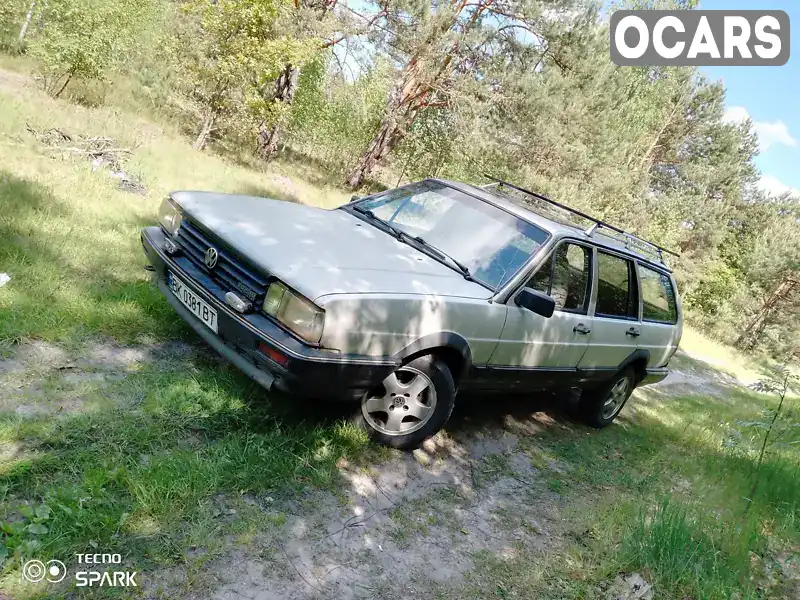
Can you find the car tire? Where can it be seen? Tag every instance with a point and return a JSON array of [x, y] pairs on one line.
[[410, 405], [599, 407]]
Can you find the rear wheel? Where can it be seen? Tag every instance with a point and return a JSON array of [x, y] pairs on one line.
[[410, 405], [600, 407]]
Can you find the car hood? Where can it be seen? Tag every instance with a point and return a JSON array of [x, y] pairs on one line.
[[319, 252]]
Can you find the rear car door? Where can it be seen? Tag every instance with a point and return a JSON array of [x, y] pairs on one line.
[[661, 329], [543, 351], [616, 325]]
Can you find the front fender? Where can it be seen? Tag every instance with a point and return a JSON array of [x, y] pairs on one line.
[[443, 339], [399, 325]]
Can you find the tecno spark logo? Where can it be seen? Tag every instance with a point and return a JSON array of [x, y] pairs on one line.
[[699, 37], [93, 570], [35, 571]]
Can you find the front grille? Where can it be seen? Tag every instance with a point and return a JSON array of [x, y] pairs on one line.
[[231, 271]]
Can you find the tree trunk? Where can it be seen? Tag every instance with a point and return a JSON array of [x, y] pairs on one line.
[[268, 137], [381, 145], [420, 79], [64, 86], [405, 102], [751, 334], [285, 88], [24, 30], [205, 131]]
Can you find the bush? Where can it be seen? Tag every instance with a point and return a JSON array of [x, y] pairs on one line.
[[83, 38]]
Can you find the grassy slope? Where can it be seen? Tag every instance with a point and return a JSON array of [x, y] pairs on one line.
[[69, 241], [71, 235], [142, 474]]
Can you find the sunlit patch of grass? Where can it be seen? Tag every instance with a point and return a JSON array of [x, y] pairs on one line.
[[717, 356]]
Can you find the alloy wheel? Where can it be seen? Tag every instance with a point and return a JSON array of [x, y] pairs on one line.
[[616, 398], [402, 404]]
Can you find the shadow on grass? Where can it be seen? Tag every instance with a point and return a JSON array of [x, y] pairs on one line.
[[70, 277], [321, 173], [310, 168]]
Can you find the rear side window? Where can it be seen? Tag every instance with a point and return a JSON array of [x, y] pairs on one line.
[[616, 288], [658, 297], [565, 277]]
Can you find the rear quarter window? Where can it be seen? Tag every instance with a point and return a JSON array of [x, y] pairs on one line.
[[658, 297]]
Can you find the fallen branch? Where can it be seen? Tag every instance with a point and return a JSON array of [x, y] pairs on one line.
[[101, 150]]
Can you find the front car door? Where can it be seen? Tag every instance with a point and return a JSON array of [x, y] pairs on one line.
[[661, 326], [535, 351], [616, 327]]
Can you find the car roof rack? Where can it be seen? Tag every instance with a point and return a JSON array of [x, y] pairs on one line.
[[597, 226]]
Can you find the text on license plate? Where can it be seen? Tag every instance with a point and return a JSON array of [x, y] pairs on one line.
[[193, 302]]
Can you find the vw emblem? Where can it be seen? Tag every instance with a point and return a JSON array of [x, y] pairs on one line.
[[211, 257]]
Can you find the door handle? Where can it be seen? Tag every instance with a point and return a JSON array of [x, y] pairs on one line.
[[582, 329], [633, 332]]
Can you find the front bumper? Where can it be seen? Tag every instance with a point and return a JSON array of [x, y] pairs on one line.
[[309, 371]]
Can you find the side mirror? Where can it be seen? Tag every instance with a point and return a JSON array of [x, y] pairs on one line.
[[353, 198], [537, 302]]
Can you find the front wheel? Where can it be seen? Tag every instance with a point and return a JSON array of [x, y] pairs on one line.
[[600, 407], [410, 405]]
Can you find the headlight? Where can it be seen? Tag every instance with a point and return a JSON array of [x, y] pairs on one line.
[[169, 216], [296, 312]]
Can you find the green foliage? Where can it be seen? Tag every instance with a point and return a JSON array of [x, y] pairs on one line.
[[232, 50], [332, 119], [12, 17], [712, 294], [84, 38]]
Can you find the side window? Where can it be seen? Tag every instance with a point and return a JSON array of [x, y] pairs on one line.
[[658, 297], [565, 277], [616, 288]]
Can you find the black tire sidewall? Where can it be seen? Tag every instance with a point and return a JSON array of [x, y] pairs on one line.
[[445, 388], [591, 405]]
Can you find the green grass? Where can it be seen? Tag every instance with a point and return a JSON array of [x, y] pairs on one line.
[[69, 236], [146, 479], [685, 550]]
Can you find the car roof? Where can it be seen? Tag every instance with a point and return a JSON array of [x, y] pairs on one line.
[[557, 228]]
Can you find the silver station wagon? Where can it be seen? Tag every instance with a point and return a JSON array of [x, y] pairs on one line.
[[399, 300]]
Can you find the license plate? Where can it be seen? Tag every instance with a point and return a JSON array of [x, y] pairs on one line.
[[193, 302]]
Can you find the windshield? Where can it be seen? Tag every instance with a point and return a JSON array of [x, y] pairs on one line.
[[492, 243]]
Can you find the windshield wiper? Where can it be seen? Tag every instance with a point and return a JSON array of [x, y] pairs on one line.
[[460, 266], [432, 250], [373, 217]]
